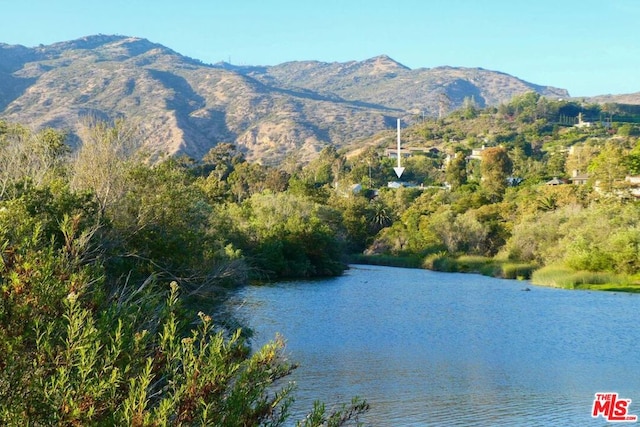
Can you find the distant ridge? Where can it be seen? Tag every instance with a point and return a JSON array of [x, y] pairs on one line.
[[270, 112]]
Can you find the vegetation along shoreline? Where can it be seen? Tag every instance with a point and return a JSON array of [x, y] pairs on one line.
[[114, 261], [551, 276]]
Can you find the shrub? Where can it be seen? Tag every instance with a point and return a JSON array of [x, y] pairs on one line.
[[97, 370], [74, 351], [513, 270], [474, 263], [76, 348], [285, 235], [440, 262]]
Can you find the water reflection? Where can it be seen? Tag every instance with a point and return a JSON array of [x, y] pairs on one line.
[[428, 348]]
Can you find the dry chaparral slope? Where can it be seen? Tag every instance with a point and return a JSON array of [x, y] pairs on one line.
[[185, 106]]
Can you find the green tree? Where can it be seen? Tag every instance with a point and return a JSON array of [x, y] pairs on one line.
[[459, 233], [357, 214], [286, 235], [580, 157], [87, 342], [632, 160], [412, 233], [422, 169], [495, 169], [161, 222], [526, 107], [608, 166], [456, 172], [535, 237], [73, 353], [628, 129], [469, 107], [366, 169], [326, 168], [247, 179], [221, 160], [276, 180], [556, 163]]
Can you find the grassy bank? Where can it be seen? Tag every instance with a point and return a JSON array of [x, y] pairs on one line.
[[408, 261], [445, 263], [567, 278], [487, 266], [551, 276]]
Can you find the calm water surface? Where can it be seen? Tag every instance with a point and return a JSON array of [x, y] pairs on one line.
[[443, 349]]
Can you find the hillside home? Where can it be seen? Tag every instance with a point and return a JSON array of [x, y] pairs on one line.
[[449, 157], [403, 184], [408, 151], [356, 188], [578, 178], [476, 153], [555, 181]]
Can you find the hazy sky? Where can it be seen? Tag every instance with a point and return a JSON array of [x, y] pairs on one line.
[[588, 47]]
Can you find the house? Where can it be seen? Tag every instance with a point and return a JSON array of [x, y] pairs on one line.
[[392, 153], [403, 184], [407, 152], [476, 153], [356, 188], [578, 178], [555, 181]]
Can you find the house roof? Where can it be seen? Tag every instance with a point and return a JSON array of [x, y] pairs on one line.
[[579, 177], [555, 181]]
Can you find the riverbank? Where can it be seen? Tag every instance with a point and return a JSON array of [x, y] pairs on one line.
[[551, 276], [444, 263], [567, 278]]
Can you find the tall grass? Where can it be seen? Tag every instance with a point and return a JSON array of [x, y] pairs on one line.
[[565, 277], [517, 270], [407, 261], [440, 261], [479, 264]]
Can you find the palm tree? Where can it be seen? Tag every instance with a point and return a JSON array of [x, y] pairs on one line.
[[379, 216]]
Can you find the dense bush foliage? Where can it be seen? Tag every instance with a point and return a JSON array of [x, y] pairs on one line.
[[92, 332]]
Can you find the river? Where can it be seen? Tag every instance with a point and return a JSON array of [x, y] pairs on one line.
[[447, 349]]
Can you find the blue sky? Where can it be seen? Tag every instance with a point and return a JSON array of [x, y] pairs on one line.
[[588, 47]]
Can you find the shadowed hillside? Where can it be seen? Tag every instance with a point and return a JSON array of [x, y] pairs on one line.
[[186, 106]]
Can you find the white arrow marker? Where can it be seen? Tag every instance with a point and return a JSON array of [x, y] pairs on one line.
[[399, 169]]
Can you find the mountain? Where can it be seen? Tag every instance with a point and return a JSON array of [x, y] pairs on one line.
[[629, 99], [383, 81], [186, 106]]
